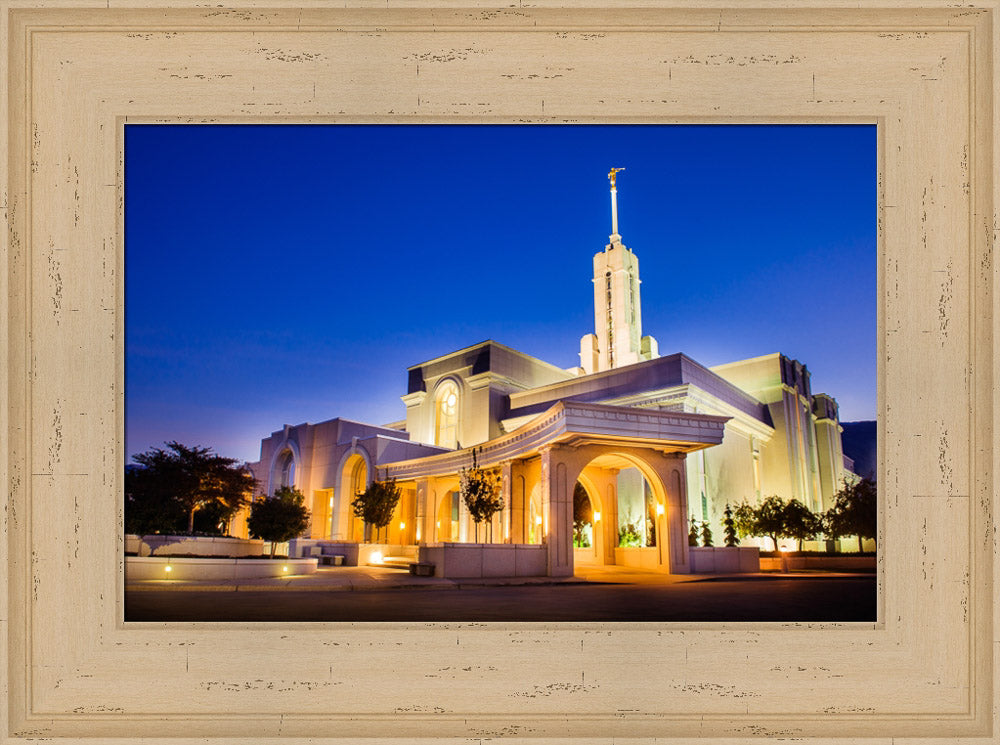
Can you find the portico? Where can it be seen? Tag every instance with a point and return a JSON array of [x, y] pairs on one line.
[[540, 463]]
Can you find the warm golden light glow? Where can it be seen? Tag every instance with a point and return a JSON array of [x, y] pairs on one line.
[[402, 526], [284, 569], [538, 520], [376, 557], [659, 509], [168, 568], [597, 517]]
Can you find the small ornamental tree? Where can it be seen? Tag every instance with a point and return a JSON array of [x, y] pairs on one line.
[[706, 535], [583, 515], [775, 518], [800, 522], [729, 528], [278, 518], [480, 489], [769, 519], [854, 511], [376, 504], [744, 520], [693, 533]]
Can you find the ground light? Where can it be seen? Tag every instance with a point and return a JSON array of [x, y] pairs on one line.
[[376, 557]]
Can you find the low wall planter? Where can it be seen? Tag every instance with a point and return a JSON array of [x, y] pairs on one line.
[[478, 560], [819, 563], [138, 568], [725, 559], [207, 545]]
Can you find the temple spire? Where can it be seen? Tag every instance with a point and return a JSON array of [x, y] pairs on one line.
[[614, 205]]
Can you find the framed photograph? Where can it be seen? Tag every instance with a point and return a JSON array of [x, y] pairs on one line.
[[75, 77]]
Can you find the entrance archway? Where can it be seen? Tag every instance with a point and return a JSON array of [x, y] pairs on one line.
[[353, 479], [629, 490]]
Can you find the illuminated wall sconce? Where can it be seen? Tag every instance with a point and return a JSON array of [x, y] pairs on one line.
[[659, 509], [597, 517]]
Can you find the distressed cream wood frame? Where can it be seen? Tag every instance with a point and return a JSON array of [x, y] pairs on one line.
[[75, 72]]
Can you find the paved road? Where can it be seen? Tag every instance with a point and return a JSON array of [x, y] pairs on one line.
[[757, 598]]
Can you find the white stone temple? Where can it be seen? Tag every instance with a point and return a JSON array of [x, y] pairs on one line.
[[653, 440]]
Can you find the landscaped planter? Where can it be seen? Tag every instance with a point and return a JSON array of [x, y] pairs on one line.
[[191, 545], [476, 560], [639, 557], [832, 563], [724, 559], [139, 568]]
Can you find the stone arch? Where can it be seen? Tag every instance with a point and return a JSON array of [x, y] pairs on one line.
[[654, 470], [354, 473], [287, 451]]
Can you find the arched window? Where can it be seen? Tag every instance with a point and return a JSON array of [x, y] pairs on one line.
[[446, 415], [286, 469]]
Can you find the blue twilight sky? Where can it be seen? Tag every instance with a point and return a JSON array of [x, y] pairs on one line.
[[283, 274]]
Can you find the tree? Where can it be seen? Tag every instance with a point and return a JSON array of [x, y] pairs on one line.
[[769, 519], [583, 514], [775, 518], [166, 487], [278, 518], [376, 504], [854, 511], [693, 533], [729, 528], [801, 522], [706, 535], [480, 489]]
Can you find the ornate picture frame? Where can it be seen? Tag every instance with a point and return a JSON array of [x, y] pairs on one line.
[[76, 72]]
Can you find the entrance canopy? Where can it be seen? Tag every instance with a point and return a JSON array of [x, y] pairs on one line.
[[574, 425]]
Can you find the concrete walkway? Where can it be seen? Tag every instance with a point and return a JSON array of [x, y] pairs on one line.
[[370, 578]]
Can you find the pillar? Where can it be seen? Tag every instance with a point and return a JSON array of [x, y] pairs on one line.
[[674, 479], [557, 513]]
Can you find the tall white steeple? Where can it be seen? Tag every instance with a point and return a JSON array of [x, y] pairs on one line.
[[618, 338]]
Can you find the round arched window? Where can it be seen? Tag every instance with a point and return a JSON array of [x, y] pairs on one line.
[[446, 415]]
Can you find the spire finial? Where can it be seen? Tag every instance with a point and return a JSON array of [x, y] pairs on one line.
[[614, 204]]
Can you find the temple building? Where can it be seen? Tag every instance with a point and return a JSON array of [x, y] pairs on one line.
[[653, 441]]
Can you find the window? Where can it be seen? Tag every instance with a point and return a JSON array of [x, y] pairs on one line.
[[286, 471], [446, 415]]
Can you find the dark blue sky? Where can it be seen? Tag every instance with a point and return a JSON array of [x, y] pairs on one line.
[[282, 274]]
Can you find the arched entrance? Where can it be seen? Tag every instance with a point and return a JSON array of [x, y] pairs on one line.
[[353, 479], [634, 495]]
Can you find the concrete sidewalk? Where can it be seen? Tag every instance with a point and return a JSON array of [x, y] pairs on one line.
[[344, 579], [370, 578]]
